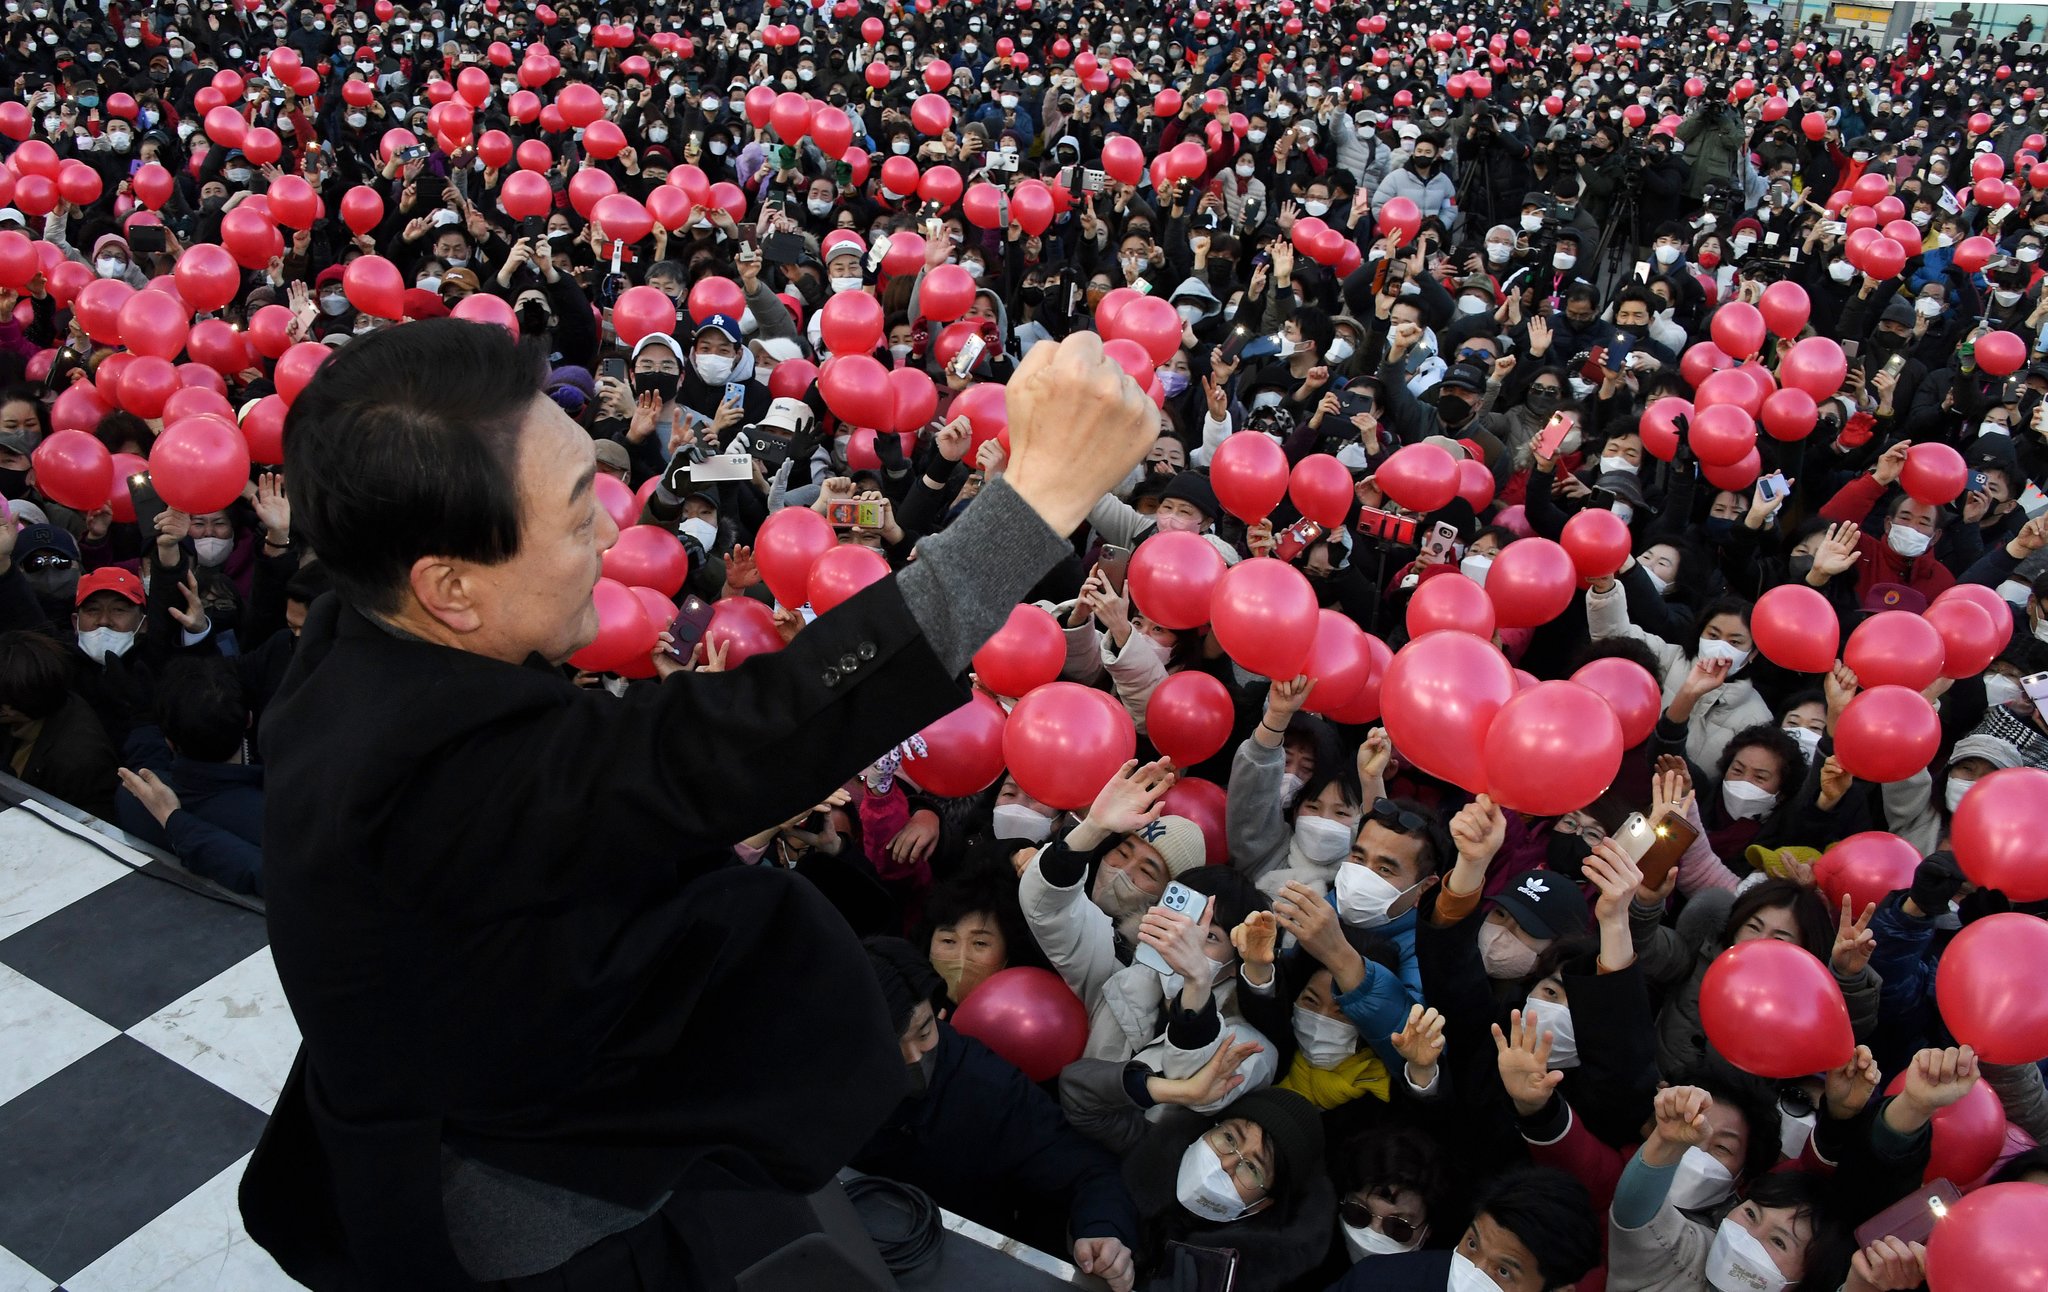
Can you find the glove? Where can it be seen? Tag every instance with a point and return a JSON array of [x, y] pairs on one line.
[[1936, 881]]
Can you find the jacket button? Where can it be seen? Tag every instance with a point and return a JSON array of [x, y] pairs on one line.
[[831, 677], [847, 663], [867, 650]]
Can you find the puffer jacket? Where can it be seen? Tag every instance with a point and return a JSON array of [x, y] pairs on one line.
[[1435, 196], [1718, 715]]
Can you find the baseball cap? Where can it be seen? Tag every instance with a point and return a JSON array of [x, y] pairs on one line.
[[1178, 841], [110, 578], [2001, 754], [1894, 596], [44, 537], [1465, 376], [786, 414], [1545, 903], [460, 276], [725, 323]]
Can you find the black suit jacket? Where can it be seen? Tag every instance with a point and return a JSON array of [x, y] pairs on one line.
[[507, 917]]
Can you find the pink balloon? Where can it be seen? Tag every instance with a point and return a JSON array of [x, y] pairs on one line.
[[1552, 748], [1439, 698], [1249, 473], [1064, 741], [1029, 1017], [1264, 617], [1630, 692], [1451, 602]]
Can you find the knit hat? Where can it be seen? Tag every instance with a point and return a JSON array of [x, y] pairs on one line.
[[1194, 490], [1178, 841], [2001, 754], [1293, 1129]]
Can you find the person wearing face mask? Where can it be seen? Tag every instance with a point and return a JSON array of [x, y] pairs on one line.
[[110, 258], [124, 636], [1423, 180], [1709, 702], [1026, 1160], [1249, 1179], [1911, 528], [1535, 1229], [1187, 505], [1392, 1183]]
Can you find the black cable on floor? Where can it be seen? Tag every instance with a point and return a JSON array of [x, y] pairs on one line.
[[905, 1224]]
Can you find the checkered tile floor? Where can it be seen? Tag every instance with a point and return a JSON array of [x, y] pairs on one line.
[[143, 1039]]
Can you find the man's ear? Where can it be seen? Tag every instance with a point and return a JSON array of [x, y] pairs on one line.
[[442, 589]]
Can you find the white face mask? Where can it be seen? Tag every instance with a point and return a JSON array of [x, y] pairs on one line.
[[1015, 821], [1245, 168], [1927, 307], [1467, 1277], [1317, 209], [1364, 897], [110, 267], [2028, 253], [847, 285], [1203, 1185], [1993, 428], [1953, 792], [212, 551], [1807, 739], [1340, 350], [1472, 305], [1841, 271], [1657, 580], [1905, 540], [1549, 1016], [1325, 1042], [1563, 260], [1361, 1243], [1623, 512], [716, 369], [1713, 648], [1504, 955], [1500, 252], [1746, 801], [1794, 1131], [1741, 245], [1737, 1262], [1668, 254], [98, 643], [1475, 568], [1322, 840], [2000, 689], [2006, 300], [1290, 785], [1531, 223], [1615, 462], [1700, 1181]]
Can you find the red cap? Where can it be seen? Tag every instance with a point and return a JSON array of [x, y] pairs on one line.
[[423, 304], [110, 578]]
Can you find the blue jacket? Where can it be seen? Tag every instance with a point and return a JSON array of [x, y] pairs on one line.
[[1378, 1006], [983, 1141], [217, 830]]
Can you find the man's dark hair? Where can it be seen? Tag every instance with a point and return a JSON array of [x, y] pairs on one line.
[[35, 673], [1235, 897], [1551, 1214], [1316, 326], [1390, 1158], [308, 584], [201, 708], [407, 445]]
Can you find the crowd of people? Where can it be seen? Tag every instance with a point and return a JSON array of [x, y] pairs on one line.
[[1421, 1031]]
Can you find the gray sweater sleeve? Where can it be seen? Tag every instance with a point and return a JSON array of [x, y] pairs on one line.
[[967, 578]]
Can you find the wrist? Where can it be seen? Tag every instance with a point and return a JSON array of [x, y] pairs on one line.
[[1086, 835]]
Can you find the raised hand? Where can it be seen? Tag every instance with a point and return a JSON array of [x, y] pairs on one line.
[[1131, 798], [1681, 1113], [1421, 1040], [1849, 1087], [1255, 938], [1616, 877], [1522, 1054], [1216, 1079], [1479, 829]]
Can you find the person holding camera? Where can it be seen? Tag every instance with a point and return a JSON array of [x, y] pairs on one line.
[[1713, 139]]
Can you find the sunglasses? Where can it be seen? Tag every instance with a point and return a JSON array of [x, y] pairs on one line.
[[1392, 815], [1359, 1216]]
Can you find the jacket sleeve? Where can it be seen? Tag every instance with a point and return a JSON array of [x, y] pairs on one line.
[[1252, 809], [1075, 934], [1093, 1096], [216, 854], [1117, 521], [1043, 1153], [1853, 501], [1660, 952], [1607, 616]]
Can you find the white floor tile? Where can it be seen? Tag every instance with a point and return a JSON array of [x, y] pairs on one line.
[[16, 1275], [236, 1030], [43, 870], [198, 1245], [41, 1034]]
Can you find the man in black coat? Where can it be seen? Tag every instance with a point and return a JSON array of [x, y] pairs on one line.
[[550, 1027]]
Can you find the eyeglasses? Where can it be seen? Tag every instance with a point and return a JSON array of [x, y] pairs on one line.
[[1359, 1216], [1245, 1170], [1395, 817]]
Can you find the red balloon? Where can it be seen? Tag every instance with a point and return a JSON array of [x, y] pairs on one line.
[[1321, 489], [1722, 434], [78, 183], [362, 209], [915, 398], [648, 556], [1034, 207], [743, 628], [851, 323], [624, 633], [840, 573], [946, 293], [1895, 648], [1553, 748], [1866, 868], [1789, 415], [1420, 477], [97, 309], [622, 218], [1026, 653], [2000, 353], [1795, 627], [1773, 1010], [1970, 638], [1339, 660], [1064, 741], [73, 469], [148, 383], [1451, 603], [931, 114], [269, 328], [199, 464], [263, 429], [1632, 695], [856, 388], [219, 346], [1439, 697], [250, 237], [1990, 1241], [1659, 429], [644, 311], [1784, 308], [1123, 160], [1173, 578], [1401, 215], [1972, 254], [78, 408], [1738, 329], [295, 368], [153, 323], [1029, 1017], [1815, 365], [788, 544], [194, 400], [1530, 583], [986, 408], [1249, 474], [1996, 835], [375, 286], [1152, 323], [1475, 483], [963, 750], [1598, 542], [1886, 734], [1264, 617], [1989, 988], [586, 186], [1700, 360], [1188, 718]]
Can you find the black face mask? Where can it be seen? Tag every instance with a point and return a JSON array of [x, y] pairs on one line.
[[533, 319], [1031, 296], [1422, 165], [59, 584], [1544, 402], [1885, 343], [662, 384], [1451, 409], [1567, 853], [14, 484], [1801, 567]]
